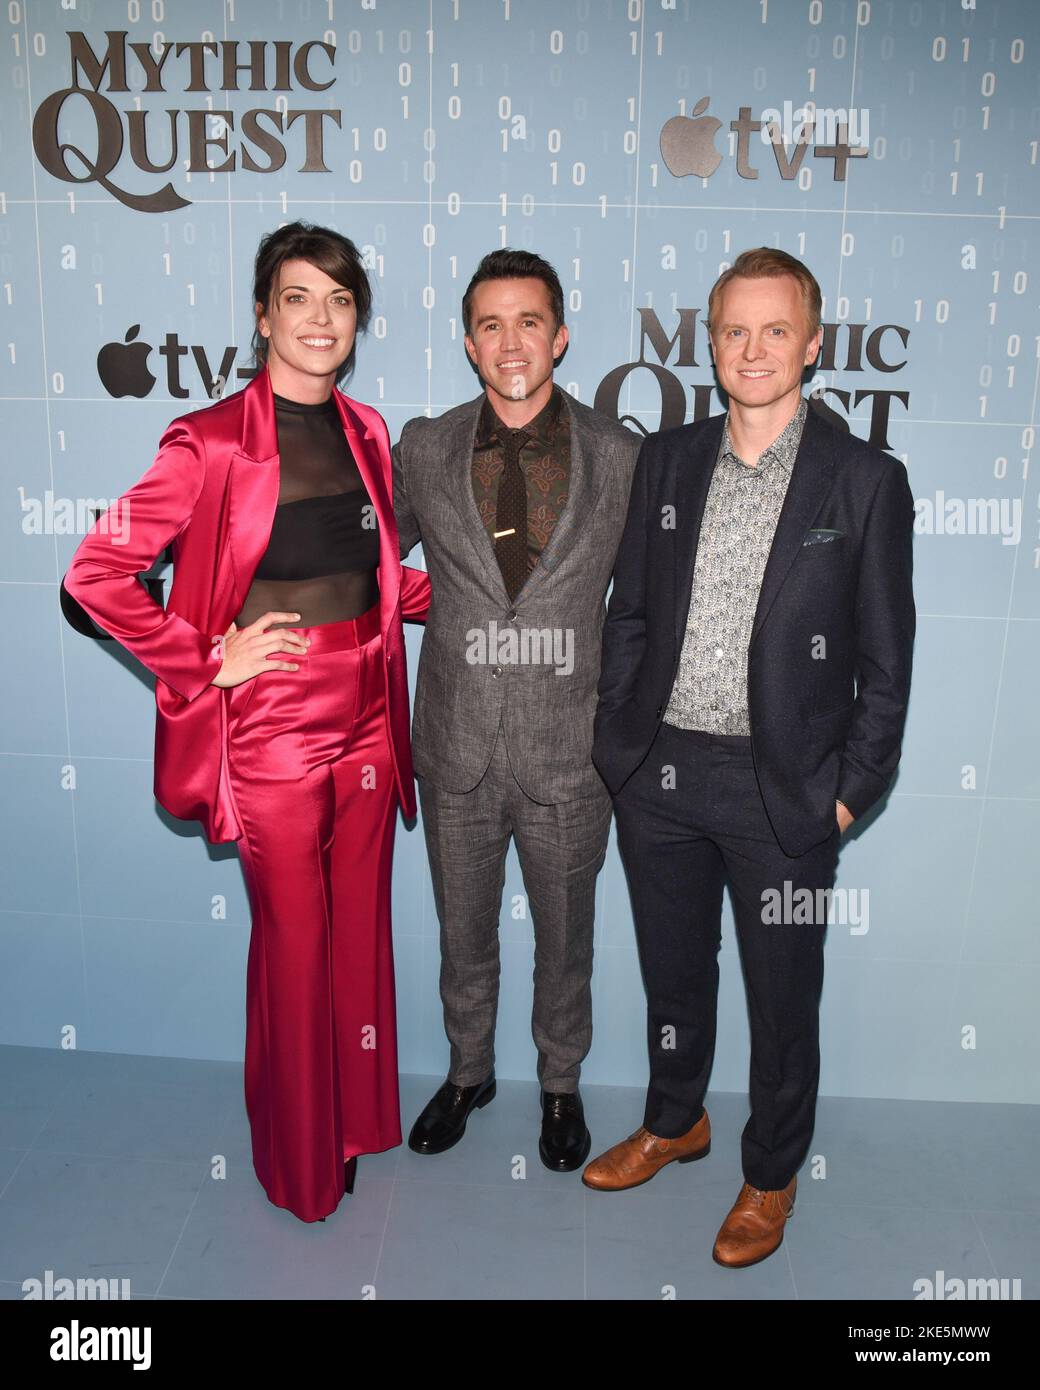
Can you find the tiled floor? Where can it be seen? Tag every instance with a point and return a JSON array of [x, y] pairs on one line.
[[105, 1171]]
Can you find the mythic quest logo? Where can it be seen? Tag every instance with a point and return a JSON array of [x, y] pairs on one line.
[[124, 369], [189, 135], [688, 142], [846, 347]]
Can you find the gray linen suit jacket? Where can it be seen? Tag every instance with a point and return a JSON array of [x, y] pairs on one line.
[[542, 688]]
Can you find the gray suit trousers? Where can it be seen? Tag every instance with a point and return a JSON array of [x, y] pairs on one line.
[[561, 848]]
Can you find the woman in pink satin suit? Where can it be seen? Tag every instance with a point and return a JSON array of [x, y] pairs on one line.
[[282, 701]]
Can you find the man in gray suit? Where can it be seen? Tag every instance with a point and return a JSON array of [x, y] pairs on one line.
[[519, 498]]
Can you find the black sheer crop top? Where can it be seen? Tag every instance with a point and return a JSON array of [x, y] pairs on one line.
[[323, 550]]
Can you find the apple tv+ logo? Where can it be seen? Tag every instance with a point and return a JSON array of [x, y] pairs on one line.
[[124, 371], [688, 146], [688, 143]]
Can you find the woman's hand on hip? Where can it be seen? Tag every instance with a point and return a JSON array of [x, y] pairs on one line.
[[245, 652]]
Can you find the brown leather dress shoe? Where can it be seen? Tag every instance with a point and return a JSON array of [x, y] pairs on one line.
[[754, 1227], [636, 1159]]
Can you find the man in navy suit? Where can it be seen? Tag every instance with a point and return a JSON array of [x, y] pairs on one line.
[[755, 676]]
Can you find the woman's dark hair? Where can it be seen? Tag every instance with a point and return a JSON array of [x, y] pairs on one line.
[[330, 251], [515, 265]]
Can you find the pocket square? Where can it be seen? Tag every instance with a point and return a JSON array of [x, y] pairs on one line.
[[821, 536]]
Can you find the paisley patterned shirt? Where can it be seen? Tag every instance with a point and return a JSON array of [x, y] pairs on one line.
[[545, 461], [740, 515]]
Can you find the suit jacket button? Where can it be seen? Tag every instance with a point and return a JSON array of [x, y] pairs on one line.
[[512, 615], [660, 711], [497, 672]]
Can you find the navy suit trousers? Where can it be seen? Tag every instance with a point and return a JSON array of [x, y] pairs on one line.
[[690, 821]]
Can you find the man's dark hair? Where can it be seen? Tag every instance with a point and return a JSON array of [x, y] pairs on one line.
[[330, 251], [508, 264]]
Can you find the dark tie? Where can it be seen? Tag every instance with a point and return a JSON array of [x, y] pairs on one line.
[[511, 514]]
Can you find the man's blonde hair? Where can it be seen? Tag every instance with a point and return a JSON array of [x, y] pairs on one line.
[[765, 263]]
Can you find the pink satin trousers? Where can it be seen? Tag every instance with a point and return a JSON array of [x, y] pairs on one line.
[[312, 777]]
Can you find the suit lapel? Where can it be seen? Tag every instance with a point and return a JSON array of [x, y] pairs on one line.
[[693, 478], [368, 449], [460, 467], [811, 478], [586, 483], [253, 483]]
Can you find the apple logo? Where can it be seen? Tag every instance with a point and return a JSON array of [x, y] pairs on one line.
[[123, 367], [688, 145]]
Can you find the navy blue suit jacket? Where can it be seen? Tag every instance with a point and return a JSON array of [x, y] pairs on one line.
[[826, 717]]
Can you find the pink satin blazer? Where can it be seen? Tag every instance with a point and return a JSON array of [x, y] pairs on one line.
[[212, 492]]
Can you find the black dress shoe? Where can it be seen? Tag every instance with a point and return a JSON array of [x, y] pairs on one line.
[[565, 1140], [443, 1122]]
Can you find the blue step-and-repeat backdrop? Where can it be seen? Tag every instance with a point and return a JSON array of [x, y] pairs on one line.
[[146, 145]]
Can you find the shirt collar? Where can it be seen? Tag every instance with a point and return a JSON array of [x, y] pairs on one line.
[[541, 430], [783, 449]]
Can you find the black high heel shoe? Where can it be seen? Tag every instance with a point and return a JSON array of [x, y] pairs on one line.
[[349, 1175]]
